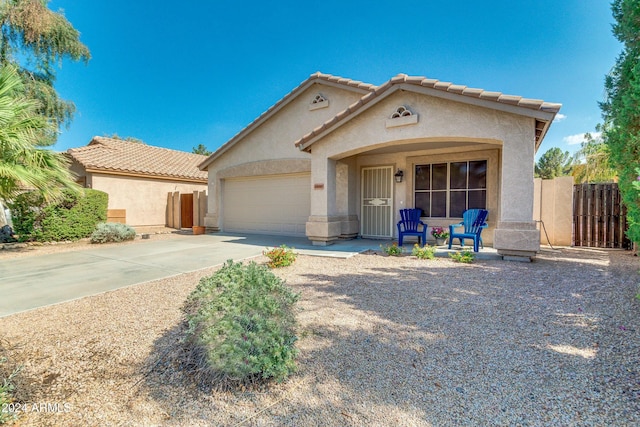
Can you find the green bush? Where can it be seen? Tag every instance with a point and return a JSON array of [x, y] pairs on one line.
[[107, 232], [74, 217], [241, 326], [425, 252], [466, 257], [392, 249], [280, 257]]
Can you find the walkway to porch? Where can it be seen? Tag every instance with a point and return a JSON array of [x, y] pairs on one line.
[[345, 248]]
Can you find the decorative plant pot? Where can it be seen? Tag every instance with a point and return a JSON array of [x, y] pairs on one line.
[[198, 229], [440, 241]]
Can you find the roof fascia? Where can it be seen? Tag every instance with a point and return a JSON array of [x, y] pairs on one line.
[[142, 175], [480, 102], [275, 108], [358, 108]]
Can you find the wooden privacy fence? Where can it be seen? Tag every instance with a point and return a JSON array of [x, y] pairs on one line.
[[599, 218], [184, 210]]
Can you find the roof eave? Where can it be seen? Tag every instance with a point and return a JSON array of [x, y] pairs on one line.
[[357, 108], [315, 78], [539, 110], [145, 175]]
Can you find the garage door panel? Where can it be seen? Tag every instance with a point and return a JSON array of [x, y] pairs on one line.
[[267, 204]]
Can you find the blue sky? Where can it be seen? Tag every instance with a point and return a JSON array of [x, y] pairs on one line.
[[178, 75]]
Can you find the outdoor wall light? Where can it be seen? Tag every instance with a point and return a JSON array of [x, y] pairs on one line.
[[399, 176]]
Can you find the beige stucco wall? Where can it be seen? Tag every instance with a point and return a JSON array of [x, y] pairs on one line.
[[144, 199], [553, 204], [79, 173], [269, 148]]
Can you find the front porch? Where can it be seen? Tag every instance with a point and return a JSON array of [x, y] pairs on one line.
[[454, 153], [343, 248]]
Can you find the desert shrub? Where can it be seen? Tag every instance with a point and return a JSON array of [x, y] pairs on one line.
[[240, 326], [6, 392], [74, 217], [392, 249], [108, 232], [466, 257], [280, 257], [425, 252]]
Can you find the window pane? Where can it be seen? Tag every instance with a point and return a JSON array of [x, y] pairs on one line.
[[478, 199], [478, 174], [458, 204], [439, 176], [422, 177], [459, 175], [422, 202], [439, 204]]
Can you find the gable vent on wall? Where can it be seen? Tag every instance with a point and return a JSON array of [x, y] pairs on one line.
[[402, 116], [319, 101]]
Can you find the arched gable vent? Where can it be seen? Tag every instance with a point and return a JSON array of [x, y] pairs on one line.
[[319, 101], [402, 116]]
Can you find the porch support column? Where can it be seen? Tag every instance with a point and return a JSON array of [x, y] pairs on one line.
[[346, 180], [324, 225], [516, 237], [212, 217]]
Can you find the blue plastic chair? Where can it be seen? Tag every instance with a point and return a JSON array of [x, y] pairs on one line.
[[409, 224], [473, 221]]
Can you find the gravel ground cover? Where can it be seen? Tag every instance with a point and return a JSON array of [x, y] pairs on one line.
[[383, 341]]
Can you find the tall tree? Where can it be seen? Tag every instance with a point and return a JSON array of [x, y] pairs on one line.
[[621, 109], [35, 39], [201, 149], [25, 135], [554, 163], [592, 162]]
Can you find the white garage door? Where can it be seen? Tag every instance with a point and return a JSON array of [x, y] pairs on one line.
[[267, 204]]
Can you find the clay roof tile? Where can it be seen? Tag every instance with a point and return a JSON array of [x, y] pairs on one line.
[[137, 158]]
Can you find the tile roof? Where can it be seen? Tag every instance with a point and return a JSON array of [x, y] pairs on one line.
[[115, 155], [498, 97], [313, 78]]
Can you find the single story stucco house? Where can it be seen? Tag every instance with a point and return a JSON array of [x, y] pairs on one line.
[[137, 177], [337, 158]]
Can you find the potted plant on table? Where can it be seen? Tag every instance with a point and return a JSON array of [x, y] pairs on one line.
[[440, 235]]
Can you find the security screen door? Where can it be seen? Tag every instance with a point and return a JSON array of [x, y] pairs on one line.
[[377, 202]]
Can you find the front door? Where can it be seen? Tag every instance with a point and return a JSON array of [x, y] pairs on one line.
[[377, 202]]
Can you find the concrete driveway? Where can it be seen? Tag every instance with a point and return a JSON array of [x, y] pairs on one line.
[[40, 280]]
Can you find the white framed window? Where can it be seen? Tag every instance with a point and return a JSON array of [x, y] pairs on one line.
[[446, 190]]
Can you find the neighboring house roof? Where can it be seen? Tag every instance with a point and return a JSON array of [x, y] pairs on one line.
[[138, 159], [317, 77], [544, 112]]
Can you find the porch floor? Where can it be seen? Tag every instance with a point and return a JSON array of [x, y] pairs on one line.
[[345, 248]]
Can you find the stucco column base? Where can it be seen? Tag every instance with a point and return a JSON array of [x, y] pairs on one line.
[[323, 231], [517, 241], [350, 227], [211, 223]]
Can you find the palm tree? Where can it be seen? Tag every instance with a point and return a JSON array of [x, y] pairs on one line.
[[26, 162]]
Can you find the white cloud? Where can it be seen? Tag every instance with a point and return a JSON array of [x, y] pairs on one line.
[[559, 117], [579, 138]]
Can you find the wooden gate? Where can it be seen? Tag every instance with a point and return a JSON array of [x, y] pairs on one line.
[[186, 210], [599, 218]]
